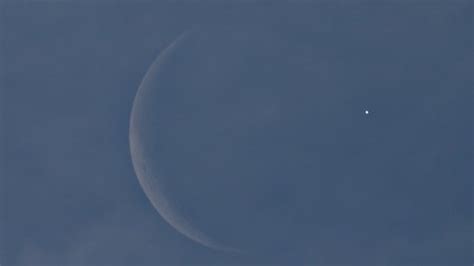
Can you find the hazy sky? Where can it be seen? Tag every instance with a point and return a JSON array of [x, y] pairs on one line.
[[71, 71]]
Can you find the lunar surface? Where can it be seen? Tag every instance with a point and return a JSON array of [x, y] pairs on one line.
[[248, 139]]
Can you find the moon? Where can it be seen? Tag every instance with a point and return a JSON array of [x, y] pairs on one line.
[[152, 179], [245, 138], [197, 129]]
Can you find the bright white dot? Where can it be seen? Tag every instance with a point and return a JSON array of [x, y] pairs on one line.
[[366, 112]]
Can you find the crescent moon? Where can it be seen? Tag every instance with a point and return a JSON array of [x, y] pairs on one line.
[[149, 177]]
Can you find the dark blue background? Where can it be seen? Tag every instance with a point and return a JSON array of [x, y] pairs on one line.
[[71, 71]]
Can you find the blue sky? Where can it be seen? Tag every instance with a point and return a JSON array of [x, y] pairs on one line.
[[71, 71]]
